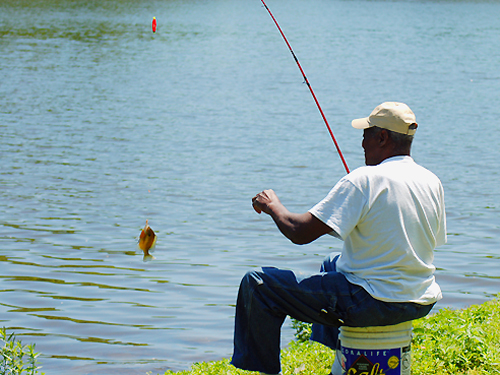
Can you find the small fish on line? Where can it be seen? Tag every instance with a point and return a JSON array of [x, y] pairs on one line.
[[147, 241], [153, 25]]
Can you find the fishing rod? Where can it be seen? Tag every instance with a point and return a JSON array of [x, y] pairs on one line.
[[310, 88]]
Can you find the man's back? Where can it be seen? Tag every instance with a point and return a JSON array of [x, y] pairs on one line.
[[391, 217]]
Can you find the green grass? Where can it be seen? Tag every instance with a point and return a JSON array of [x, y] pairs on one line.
[[17, 358], [298, 358], [450, 342], [458, 341]]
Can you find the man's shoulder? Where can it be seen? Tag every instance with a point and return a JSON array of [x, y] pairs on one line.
[[397, 168]]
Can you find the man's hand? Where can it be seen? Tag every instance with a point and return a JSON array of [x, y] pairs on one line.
[[298, 228], [263, 201]]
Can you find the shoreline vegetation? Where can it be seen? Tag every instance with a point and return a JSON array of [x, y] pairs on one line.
[[449, 342], [16, 357]]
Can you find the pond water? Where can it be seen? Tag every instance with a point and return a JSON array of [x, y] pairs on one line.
[[104, 124]]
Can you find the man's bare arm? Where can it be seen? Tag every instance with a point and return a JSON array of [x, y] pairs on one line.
[[298, 228]]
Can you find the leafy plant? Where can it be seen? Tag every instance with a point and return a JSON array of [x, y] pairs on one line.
[[302, 330], [17, 358], [458, 341]]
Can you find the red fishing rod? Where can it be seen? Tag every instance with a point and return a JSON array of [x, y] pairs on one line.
[[310, 88]]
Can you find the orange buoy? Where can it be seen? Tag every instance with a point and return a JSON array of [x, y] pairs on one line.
[[154, 24]]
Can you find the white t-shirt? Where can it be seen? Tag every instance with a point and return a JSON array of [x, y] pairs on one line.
[[391, 217]]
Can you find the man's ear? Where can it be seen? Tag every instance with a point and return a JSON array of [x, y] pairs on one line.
[[383, 138]]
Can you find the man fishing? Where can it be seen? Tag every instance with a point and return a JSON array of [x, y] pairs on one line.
[[389, 214]]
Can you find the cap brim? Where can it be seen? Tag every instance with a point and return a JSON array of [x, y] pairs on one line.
[[361, 123]]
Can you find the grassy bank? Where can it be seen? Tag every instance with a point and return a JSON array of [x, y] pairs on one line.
[[450, 342]]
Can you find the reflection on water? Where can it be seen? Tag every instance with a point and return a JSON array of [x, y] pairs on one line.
[[104, 124]]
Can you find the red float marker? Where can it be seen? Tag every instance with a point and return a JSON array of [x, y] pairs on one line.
[[154, 24]]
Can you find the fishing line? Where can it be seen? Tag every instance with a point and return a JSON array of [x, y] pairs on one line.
[[310, 88]]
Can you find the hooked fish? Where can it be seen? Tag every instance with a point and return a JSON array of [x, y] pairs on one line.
[[147, 240]]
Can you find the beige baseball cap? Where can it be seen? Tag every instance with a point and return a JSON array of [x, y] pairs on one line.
[[394, 116]]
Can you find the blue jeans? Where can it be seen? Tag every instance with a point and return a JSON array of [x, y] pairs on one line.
[[327, 299]]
